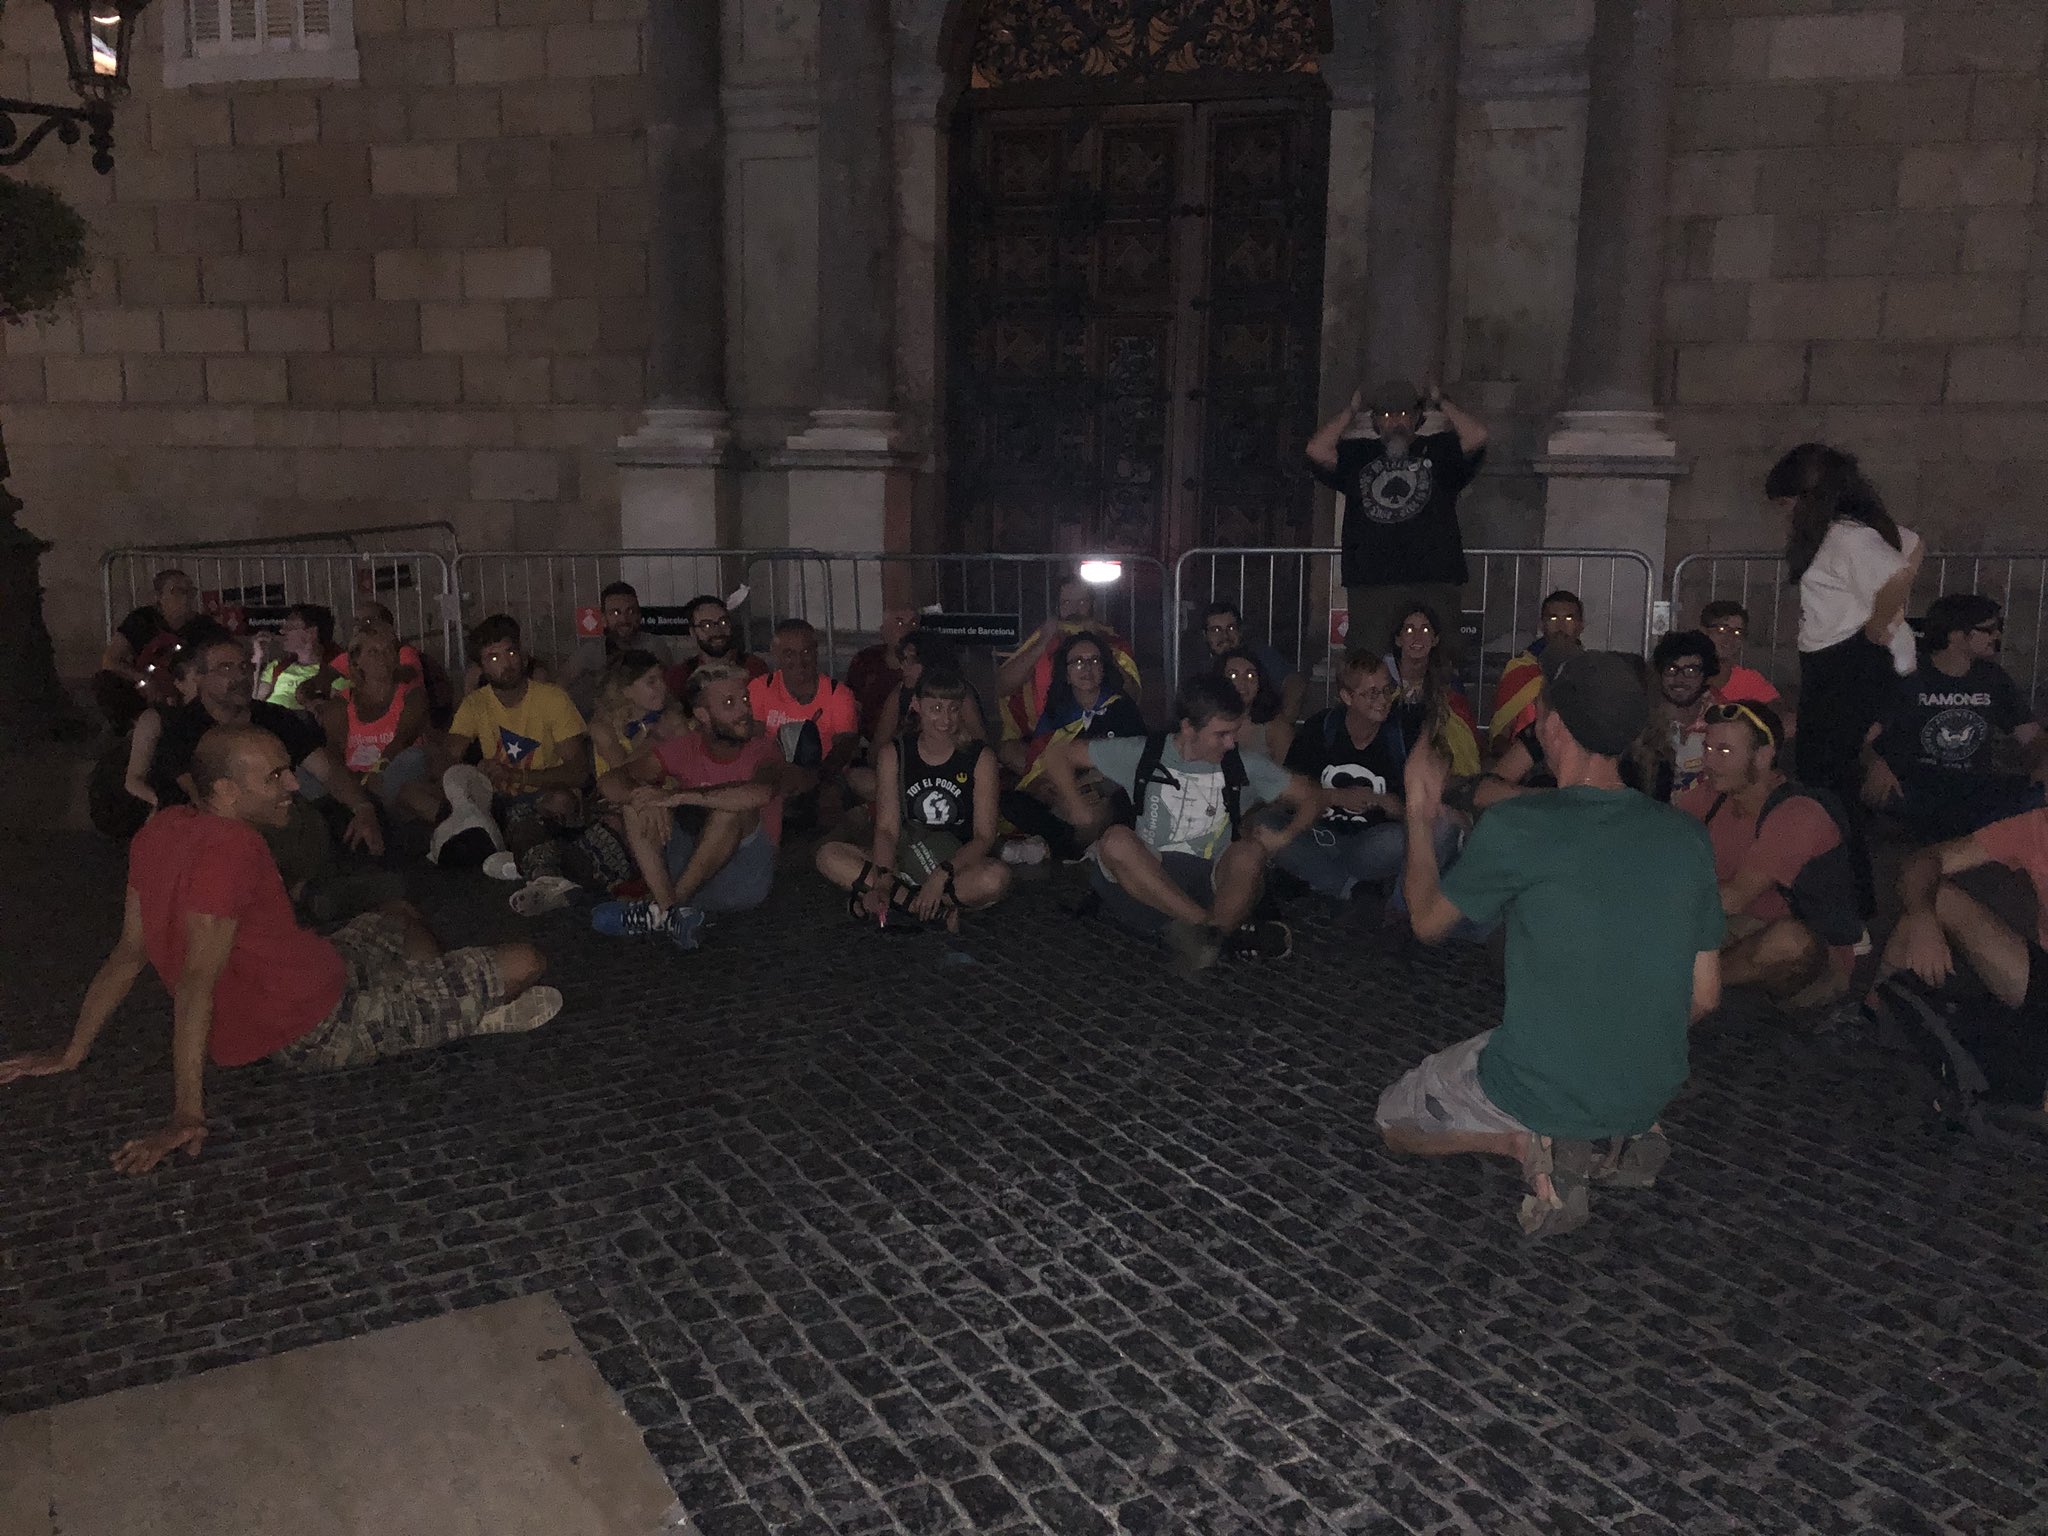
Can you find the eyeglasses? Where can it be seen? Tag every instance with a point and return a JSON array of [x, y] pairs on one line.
[[1729, 714], [1684, 669], [1374, 695]]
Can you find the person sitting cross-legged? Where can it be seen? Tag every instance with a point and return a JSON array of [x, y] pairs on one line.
[[536, 750], [1561, 624], [798, 704], [1085, 701], [935, 822], [1614, 932], [206, 907], [1356, 753], [1997, 1047], [377, 727], [174, 604], [703, 814], [1782, 862], [1935, 763], [1193, 865]]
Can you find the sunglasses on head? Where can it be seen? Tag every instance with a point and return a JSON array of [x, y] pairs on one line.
[[1729, 714]]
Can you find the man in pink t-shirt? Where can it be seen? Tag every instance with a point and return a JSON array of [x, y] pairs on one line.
[[2007, 1038], [1780, 860], [207, 908], [703, 814]]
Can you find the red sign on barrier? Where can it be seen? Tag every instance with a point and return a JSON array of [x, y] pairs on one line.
[[589, 623], [1340, 625]]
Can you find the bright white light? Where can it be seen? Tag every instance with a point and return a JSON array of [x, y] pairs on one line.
[[1100, 573]]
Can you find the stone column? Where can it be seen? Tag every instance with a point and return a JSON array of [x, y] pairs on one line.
[[1609, 461], [849, 485], [1414, 155], [675, 489]]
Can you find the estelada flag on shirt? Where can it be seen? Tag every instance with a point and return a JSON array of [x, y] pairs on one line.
[[1514, 699]]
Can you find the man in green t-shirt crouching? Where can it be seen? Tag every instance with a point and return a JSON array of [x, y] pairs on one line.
[[1614, 928]]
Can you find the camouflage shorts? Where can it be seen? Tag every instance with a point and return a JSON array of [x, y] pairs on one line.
[[392, 1005]]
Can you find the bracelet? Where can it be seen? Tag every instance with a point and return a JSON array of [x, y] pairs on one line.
[[947, 866]]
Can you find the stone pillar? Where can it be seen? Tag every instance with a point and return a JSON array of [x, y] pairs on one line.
[[1609, 461], [675, 487], [1414, 154], [849, 485]]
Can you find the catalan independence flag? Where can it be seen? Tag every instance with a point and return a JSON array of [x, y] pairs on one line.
[[1514, 699]]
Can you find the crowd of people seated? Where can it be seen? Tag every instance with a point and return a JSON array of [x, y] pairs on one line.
[[1638, 833]]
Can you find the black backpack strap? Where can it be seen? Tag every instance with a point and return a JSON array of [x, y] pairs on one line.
[[1235, 780], [1148, 772], [1715, 810]]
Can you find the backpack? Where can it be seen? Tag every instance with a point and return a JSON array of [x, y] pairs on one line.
[[1150, 772], [1823, 894]]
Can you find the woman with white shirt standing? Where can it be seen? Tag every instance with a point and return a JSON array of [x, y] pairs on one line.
[[1855, 568]]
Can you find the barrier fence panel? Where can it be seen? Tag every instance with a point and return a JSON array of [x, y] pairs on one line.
[[995, 601], [556, 595], [250, 587], [2017, 580], [1293, 600]]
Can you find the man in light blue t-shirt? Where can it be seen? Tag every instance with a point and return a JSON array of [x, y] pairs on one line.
[[1192, 867], [1614, 931]]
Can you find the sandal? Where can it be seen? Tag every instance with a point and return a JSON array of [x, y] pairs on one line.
[[1569, 1163], [1633, 1162]]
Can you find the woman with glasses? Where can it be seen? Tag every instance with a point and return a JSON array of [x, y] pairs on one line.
[[1855, 568], [1084, 701]]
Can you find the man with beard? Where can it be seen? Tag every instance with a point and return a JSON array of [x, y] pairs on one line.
[[1935, 762], [1356, 755], [723, 785], [622, 633], [205, 907], [536, 750], [711, 627], [1780, 860], [1400, 486], [1223, 631], [1683, 662]]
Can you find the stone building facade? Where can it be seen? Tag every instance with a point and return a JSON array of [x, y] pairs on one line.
[[571, 272]]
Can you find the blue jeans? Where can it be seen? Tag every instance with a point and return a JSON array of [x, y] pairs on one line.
[[1333, 864]]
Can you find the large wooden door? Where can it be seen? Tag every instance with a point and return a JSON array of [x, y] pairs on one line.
[[1136, 297]]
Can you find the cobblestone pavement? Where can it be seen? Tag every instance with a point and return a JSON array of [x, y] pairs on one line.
[[874, 1238]]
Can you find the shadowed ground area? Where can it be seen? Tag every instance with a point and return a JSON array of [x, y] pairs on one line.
[[1021, 1234]]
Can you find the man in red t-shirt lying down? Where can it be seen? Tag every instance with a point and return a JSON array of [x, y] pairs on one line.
[[206, 907]]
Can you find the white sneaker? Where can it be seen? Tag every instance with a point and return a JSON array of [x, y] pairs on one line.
[[1026, 851], [549, 893], [502, 866], [529, 1010]]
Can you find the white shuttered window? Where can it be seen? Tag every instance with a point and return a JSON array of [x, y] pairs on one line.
[[258, 40]]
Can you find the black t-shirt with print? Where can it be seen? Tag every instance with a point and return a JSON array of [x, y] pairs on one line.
[[938, 797], [1947, 725], [1401, 515], [141, 626], [1324, 754], [185, 725]]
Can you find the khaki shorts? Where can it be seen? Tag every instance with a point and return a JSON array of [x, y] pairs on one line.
[[391, 1005], [1443, 1096]]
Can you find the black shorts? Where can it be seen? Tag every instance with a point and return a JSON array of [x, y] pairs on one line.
[[1195, 877], [2011, 1044]]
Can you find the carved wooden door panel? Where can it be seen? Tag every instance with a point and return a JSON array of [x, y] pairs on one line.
[[1135, 303]]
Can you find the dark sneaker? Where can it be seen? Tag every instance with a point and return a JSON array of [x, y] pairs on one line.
[[629, 919], [1195, 947], [1268, 939]]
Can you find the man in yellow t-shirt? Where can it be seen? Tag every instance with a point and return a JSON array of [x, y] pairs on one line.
[[536, 750]]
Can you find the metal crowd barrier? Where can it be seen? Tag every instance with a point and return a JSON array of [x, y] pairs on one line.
[[997, 600], [1294, 601], [2017, 580], [556, 594], [248, 584]]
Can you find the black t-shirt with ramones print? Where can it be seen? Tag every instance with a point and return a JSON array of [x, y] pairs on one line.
[[1401, 514]]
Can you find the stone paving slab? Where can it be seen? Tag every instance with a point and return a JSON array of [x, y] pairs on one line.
[[872, 1241]]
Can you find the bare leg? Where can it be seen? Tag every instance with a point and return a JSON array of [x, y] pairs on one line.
[[647, 833], [980, 885], [1138, 870], [521, 965], [723, 832], [1515, 1146], [1240, 876], [1997, 954], [1782, 958], [422, 802], [841, 863], [420, 943]]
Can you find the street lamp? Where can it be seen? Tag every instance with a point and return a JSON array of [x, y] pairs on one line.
[[99, 39]]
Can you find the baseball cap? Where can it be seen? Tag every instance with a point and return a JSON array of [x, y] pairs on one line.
[[1394, 395], [1600, 696]]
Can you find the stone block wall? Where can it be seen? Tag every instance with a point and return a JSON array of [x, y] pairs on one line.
[[1859, 252], [322, 304]]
